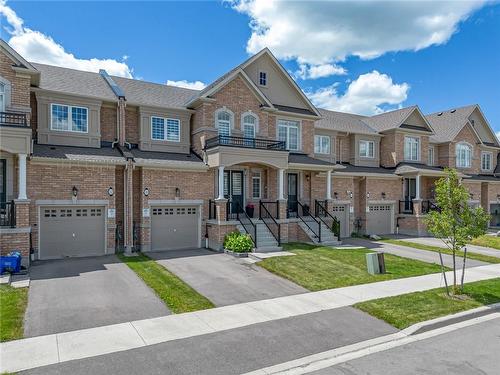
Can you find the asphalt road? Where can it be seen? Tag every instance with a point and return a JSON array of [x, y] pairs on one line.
[[235, 351], [467, 351]]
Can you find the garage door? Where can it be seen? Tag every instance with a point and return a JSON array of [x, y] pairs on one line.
[[175, 228], [341, 212], [72, 231], [379, 219]]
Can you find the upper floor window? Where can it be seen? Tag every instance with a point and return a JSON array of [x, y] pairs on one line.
[[367, 149], [249, 126], [464, 155], [321, 144], [165, 129], [2, 97], [288, 132], [430, 158], [486, 164], [412, 148], [69, 118], [256, 185], [263, 78], [224, 119]]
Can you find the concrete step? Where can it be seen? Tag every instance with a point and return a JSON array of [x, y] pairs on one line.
[[266, 249]]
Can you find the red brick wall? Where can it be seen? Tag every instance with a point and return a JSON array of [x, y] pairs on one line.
[[132, 125], [108, 124]]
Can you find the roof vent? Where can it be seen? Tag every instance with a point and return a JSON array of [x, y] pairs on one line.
[[440, 113], [117, 90], [453, 111]]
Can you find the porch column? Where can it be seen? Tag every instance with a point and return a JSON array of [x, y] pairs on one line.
[[221, 182], [281, 181], [329, 185], [22, 177], [417, 187]]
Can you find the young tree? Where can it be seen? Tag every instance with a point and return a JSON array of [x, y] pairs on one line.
[[455, 222]]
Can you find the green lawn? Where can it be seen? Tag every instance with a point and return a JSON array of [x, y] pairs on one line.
[[407, 309], [487, 241], [470, 255], [318, 268], [177, 295], [13, 303]]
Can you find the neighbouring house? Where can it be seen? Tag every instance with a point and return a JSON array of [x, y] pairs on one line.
[[91, 163]]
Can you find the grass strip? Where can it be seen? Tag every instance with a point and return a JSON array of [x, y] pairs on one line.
[[318, 268], [420, 246], [492, 242], [175, 293], [13, 302], [407, 309]]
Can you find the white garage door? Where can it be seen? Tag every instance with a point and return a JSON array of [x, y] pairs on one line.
[[341, 212], [175, 228], [71, 231], [379, 219]]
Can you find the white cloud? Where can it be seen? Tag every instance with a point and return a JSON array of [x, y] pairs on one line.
[[365, 95], [498, 135], [38, 47], [196, 85], [319, 32], [307, 71]]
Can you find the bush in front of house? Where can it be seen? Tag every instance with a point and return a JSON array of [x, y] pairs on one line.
[[238, 242]]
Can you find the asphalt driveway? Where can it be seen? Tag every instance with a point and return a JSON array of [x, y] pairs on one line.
[[78, 293], [224, 279]]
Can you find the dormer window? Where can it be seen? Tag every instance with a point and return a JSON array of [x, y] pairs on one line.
[[69, 118], [263, 78], [464, 155], [165, 129]]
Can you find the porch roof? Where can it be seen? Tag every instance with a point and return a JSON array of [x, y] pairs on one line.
[[104, 155], [482, 177], [355, 170], [296, 160]]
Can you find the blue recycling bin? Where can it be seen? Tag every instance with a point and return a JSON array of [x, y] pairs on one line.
[[11, 262]]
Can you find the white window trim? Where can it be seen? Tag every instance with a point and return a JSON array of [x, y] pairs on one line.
[[6, 94], [70, 114], [258, 176], [471, 154], [321, 136], [491, 160], [231, 118], [433, 161], [267, 78], [299, 135], [256, 125], [367, 149], [165, 119], [419, 151]]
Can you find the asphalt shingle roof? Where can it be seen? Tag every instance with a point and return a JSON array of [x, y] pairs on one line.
[[447, 124], [344, 122], [101, 154], [389, 120], [304, 159]]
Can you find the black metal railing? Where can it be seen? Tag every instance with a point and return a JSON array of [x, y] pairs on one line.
[[211, 209], [406, 207], [326, 218], [257, 143], [246, 222], [304, 214], [273, 207], [428, 206], [8, 214], [13, 119], [270, 222], [232, 209]]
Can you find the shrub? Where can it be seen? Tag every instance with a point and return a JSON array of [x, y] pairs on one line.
[[238, 242]]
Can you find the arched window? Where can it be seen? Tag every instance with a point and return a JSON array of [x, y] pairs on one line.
[[224, 119], [2, 97], [464, 155], [249, 125]]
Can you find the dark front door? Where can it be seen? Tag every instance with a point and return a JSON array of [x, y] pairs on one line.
[[233, 189], [293, 197], [410, 192], [3, 180]]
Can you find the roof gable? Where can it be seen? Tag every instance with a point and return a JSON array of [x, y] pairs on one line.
[[404, 118]]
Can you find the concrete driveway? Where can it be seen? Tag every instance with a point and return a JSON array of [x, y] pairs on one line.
[[77, 293], [224, 279]]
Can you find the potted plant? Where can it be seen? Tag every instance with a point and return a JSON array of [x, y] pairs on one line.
[[238, 244], [250, 208]]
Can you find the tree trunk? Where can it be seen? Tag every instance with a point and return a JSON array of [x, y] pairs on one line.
[[463, 270], [444, 273], [454, 268]]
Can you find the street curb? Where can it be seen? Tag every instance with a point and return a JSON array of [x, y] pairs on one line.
[[444, 321]]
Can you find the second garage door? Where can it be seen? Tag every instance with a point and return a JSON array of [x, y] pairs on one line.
[[379, 219], [175, 228], [72, 231]]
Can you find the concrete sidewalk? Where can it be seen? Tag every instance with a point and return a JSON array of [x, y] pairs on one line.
[[45, 350], [472, 248]]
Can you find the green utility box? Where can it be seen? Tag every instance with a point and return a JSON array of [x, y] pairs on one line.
[[372, 263]]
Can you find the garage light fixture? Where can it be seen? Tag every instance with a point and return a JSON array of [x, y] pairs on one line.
[[75, 191], [336, 195], [498, 197], [368, 195], [383, 195], [146, 192], [177, 192], [349, 193], [111, 192]]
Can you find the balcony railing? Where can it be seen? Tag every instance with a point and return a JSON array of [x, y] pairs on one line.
[[255, 143], [13, 119], [428, 206], [406, 207], [8, 214]]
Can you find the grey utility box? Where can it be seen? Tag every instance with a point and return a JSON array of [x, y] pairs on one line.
[[372, 263]]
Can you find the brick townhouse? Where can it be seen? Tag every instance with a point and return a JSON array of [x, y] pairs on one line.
[[91, 164]]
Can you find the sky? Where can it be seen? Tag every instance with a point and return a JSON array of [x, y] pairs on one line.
[[360, 57]]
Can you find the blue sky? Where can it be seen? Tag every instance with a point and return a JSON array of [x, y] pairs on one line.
[[443, 56]]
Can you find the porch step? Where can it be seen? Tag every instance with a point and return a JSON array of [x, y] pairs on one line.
[[327, 236], [265, 239]]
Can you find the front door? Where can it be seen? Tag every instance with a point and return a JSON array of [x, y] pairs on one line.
[[233, 189], [410, 192], [3, 180], [293, 197]]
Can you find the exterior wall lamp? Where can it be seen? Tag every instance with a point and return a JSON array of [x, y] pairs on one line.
[[336, 195], [74, 191], [349, 193], [471, 195], [383, 195], [368, 195], [177, 193], [146, 192], [111, 192]]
